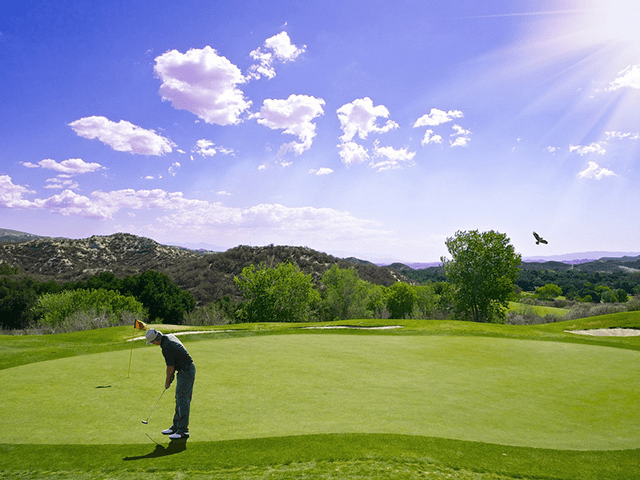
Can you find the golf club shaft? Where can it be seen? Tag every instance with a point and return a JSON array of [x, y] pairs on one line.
[[154, 407]]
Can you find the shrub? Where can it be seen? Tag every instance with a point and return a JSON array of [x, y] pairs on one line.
[[589, 310], [55, 309], [528, 316], [633, 304], [214, 313]]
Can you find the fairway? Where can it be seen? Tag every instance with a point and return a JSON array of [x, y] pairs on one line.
[[494, 390]]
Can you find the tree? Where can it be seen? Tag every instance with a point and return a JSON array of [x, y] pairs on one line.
[[607, 295], [164, 300], [483, 269], [621, 293], [17, 299], [548, 292], [280, 294], [345, 294], [401, 300]]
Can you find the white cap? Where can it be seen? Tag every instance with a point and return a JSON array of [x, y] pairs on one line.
[[152, 335]]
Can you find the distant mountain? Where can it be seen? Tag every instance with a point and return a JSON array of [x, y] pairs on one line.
[[207, 275], [625, 264], [11, 236], [576, 258]]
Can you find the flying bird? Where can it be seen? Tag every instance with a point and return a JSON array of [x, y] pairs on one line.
[[539, 239]]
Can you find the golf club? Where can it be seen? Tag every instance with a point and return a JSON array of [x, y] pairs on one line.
[[154, 407]]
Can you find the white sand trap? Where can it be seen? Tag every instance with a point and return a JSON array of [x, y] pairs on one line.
[[608, 332]]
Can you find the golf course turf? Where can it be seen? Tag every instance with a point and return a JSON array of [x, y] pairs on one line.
[[431, 399]]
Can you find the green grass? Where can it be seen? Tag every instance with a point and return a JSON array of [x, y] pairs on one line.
[[541, 310], [434, 399]]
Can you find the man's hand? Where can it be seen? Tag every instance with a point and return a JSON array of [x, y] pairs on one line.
[[171, 373]]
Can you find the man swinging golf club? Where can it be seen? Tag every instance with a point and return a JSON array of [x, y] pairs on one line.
[[178, 360]]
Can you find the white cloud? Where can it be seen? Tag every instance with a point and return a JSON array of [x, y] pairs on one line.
[[583, 150], [429, 137], [295, 116], [204, 83], [224, 193], [393, 158], [201, 219], [321, 171], [462, 136], [351, 152], [61, 182], [173, 169], [621, 135], [276, 48], [69, 203], [72, 166], [11, 195], [206, 148], [437, 117], [271, 221], [122, 136], [552, 150], [629, 77], [359, 117], [594, 170]]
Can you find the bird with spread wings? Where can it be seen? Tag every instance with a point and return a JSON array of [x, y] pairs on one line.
[[539, 239]]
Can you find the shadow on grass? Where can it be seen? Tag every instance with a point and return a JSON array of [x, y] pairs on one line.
[[175, 446]]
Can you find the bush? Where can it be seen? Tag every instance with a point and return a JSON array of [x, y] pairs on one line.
[[85, 320], [214, 313], [528, 316], [6, 269], [72, 307], [589, 310], [633, 304]]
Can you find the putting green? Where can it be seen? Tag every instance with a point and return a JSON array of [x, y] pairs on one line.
[[494, 390]]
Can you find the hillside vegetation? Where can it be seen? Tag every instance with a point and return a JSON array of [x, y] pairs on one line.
[[206, 275], [170, 282]]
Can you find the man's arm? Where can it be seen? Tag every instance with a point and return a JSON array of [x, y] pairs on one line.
[[170, 374]]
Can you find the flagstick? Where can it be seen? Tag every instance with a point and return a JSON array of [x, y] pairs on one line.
[[131, 354]]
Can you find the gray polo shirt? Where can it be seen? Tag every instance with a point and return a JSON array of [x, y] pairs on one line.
[[175, 355]]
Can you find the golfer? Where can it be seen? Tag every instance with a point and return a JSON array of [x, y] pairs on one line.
[[178, 360]]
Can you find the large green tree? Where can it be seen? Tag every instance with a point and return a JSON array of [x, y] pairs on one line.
[[280, 294], [165, 301], [483, 269], [345, 295], [401, 298]]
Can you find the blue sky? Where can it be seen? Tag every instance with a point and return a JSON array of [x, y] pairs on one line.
[[371, 128]]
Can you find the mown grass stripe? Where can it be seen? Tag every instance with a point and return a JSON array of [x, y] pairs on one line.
[[265, 452]]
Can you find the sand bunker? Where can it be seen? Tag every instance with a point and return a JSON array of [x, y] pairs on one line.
[[608, 332]]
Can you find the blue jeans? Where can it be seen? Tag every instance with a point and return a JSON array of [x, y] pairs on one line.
[[184, 390]]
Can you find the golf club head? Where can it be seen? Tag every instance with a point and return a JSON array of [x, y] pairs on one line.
[[145, 422]]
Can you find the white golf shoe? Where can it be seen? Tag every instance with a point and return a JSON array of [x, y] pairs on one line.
[[178, 436], [168, 431]]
